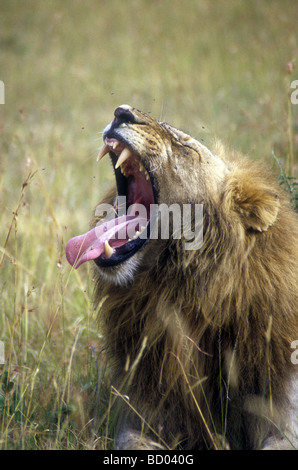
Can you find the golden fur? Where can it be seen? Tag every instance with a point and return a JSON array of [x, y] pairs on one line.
[[200, 341]]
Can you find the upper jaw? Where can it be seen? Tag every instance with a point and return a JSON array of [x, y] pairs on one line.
[[122, 151], [117, 142], [134, 182]]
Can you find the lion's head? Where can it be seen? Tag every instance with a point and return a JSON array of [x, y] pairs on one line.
[[188, 323], [155, 164]]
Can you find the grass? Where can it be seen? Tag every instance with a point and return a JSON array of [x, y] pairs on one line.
[[66, 65]]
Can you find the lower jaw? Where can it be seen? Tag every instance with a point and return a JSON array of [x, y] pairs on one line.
[[122, 253]]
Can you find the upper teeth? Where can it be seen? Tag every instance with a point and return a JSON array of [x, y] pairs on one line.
[[125, 154], [103, 151]]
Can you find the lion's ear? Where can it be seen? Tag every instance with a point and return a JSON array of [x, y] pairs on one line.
[[259, 210], [257, 205]]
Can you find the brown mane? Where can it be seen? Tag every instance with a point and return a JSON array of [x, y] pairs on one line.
[[200, 341]]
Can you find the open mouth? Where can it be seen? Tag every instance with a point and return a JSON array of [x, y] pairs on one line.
[[115, 240]]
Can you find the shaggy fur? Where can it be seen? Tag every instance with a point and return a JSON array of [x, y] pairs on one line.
[[200, 341]]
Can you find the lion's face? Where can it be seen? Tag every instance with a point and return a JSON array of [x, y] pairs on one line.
[[154, 164]]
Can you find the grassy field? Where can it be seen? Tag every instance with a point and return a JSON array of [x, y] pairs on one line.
[[219, 69]]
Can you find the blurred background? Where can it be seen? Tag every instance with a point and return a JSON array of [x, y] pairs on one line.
[[213, 69]]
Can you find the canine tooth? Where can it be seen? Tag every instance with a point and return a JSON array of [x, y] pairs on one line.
[[124, 155], [102, 152], [108, 250], [147, 177]]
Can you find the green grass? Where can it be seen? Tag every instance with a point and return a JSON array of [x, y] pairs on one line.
[[213, 69]]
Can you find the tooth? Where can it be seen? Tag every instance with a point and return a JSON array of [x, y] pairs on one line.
[[147, 177], [115, 144], [108, 250], [102, 152], [124, 155]]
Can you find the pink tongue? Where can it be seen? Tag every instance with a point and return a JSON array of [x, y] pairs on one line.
[[91, 244]]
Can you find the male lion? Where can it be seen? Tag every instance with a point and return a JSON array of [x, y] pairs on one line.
[[200, 336]]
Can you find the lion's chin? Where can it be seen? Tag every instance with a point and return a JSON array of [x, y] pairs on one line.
[[121, 275]]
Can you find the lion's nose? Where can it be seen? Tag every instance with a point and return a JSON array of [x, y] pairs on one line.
[[124, 114]]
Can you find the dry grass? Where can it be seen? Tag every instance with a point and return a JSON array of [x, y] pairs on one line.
[[66, 66]]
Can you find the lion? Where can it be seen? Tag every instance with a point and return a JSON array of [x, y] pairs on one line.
[[199, 325]]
